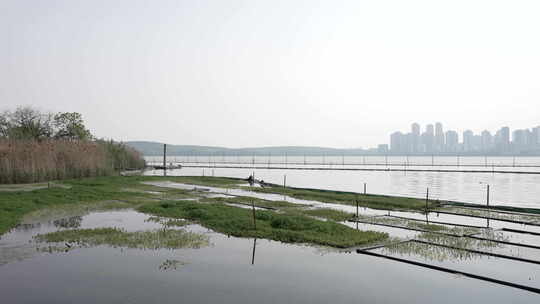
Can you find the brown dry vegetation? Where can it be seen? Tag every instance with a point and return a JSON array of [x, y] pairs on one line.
[[30, 161]]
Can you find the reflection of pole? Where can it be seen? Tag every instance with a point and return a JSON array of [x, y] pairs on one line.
[[253, 254], [254, 220], [365, 188], [284, 180]]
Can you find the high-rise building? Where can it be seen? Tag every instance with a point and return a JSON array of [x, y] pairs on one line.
[[452, 141], [396, 141], [536, 136], [519, 139], [415, 138], [502, 139], [415, 129], [435, 140], [505, 135], [439, 137], [428, 138], [468, 141], [486, 141]]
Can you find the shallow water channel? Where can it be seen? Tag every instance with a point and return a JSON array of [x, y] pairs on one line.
[[241, 270]]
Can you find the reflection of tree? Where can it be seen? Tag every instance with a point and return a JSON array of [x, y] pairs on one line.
[[71, 222], [27, 227]]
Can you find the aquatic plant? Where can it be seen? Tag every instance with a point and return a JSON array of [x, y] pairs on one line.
[[270, 225], [154, 239], [171, 265], [348, 198]]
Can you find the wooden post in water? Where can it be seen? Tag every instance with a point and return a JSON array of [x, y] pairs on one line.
[[365, 188], [427, 200], [357, 208], [164, 159], [487, 203], [284, 180], [487, 198]]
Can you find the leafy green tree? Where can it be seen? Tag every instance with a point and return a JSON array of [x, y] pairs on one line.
[[70, 126]]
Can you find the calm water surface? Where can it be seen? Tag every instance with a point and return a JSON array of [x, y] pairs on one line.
[[231, 270], [508, 189]]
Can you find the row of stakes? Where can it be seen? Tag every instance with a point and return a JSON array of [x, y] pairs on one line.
[[357, 201]]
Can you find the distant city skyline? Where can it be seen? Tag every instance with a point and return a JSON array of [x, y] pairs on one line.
[[434, 140]]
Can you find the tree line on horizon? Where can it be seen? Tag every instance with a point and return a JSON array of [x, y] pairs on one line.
[[40, 146]]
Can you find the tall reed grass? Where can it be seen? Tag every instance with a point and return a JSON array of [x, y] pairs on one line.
[[30, 161]]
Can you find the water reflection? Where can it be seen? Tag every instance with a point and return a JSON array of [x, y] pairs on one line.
[[72, 222], [253, 253], [440, 248], [171, 265], [428, 252], [27, 226]]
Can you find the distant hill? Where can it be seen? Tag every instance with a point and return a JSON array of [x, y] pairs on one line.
[[149, 148]]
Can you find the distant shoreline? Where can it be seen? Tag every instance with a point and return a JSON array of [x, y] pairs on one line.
[[156, 149]]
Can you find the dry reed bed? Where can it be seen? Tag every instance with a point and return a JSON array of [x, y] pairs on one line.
[[31, 161]]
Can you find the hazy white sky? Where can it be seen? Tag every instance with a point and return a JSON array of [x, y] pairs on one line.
[[260, 73]]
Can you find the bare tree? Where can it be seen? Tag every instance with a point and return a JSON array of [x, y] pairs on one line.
[[26, 123]]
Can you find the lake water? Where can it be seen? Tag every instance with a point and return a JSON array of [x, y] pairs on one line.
[[230, 270], [509, 189]]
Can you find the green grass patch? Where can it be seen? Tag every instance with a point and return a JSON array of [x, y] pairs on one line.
[[270, 225], [155, 239], [349, 198], [246, 200], [209, 181], [330, 214], [15, 204]]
